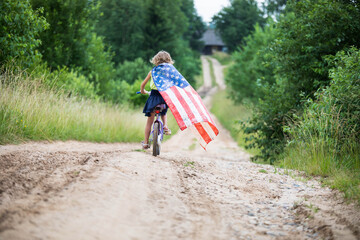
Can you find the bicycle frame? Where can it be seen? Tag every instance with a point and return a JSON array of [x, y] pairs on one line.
[[161, 130], [157, 120]]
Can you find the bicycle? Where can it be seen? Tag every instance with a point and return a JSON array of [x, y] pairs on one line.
[[157, 133]]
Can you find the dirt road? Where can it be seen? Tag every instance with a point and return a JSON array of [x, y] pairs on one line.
[[76, 190]]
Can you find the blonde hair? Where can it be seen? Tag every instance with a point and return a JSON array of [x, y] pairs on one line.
[[161, 57]]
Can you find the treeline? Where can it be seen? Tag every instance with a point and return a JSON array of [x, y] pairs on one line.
[[301, 74], [99, 49]]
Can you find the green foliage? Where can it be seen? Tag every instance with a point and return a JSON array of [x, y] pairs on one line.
[[164, 25], [230, 114], [71, 41], [122, 23], [326, 138], [98, 66], [19, 30], [222, 57], [237, 21], [336, 113], [65, 42], [30, 110], [196, 27], [249, 73], [69, 81], [313, 30], [274, 6], [139, 29], [130, 71], [138, 99]]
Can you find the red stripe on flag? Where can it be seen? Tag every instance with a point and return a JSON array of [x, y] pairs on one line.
[[200, 100], [216, 131], [191, 96], [202, 132], [184, 104], [174, 111]]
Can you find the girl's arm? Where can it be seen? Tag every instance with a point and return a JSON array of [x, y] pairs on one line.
[[143, 84]]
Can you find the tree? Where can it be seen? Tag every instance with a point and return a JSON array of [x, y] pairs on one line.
[[122, 23], [250, 72], [315, 29], [274, 6], [64, 43], [71, 40], [165, 24], [237, 21], [20, 27], [196, 27]]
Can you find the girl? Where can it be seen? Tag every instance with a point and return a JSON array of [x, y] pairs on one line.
[[155, 98]]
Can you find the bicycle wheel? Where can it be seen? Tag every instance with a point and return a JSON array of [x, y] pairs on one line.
[[156, 144]]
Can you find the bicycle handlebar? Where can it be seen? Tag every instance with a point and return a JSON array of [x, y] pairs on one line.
[[140, 92]]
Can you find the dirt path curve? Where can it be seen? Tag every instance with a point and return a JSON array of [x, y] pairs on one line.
[[76, 190]]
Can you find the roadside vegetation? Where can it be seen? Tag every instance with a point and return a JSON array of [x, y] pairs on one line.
[[222, 57], [31, 110], [301, 73], [232, 116], [67, 74]]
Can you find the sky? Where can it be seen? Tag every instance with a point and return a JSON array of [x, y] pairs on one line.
[[208, 8]]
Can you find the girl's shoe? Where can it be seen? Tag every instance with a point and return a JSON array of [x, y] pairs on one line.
[[167, 131], [145, 146]]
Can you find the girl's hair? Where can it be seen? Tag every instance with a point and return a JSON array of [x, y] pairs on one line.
[[162, 57]]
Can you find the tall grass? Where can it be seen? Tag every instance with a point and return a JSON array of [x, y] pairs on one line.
[[223, 58], [321, 145], [212, 73], [324, 141], [230, 114], [30, 110]]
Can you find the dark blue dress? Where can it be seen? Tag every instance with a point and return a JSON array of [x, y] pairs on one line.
[[154, 99]]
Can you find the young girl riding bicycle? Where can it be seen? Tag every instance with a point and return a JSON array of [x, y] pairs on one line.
[[155, 98]]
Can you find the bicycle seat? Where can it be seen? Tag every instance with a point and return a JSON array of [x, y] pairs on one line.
[[159, 108]]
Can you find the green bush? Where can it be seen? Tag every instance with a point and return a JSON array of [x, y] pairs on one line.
[[130, 71], [249, 72], [98, 66], [325, 140], [335, 116], [19, 30], [305, 36]]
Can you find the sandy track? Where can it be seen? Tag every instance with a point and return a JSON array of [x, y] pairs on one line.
[[76, 190]]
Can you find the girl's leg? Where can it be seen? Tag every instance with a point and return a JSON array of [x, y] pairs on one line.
[[164, 120], [149, 123]]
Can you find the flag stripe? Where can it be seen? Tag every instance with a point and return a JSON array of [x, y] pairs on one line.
[[202, 106], [173, 109], [184, 104], [196, 104], [198, 136], [203, 132], [214, 128], [178, 107], [193, 106], [209, 130]]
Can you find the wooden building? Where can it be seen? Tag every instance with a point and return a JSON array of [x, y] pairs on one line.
[[212, 42]]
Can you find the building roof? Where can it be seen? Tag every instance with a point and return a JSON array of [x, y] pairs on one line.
[[210, 37]]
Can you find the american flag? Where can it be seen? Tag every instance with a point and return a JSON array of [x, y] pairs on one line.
[[185, 103]]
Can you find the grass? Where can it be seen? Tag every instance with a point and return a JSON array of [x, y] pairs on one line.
[[316, 158], [212, 74], [199, 80], [29, 110], [223, 58], [322, 145], [229, 115]]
